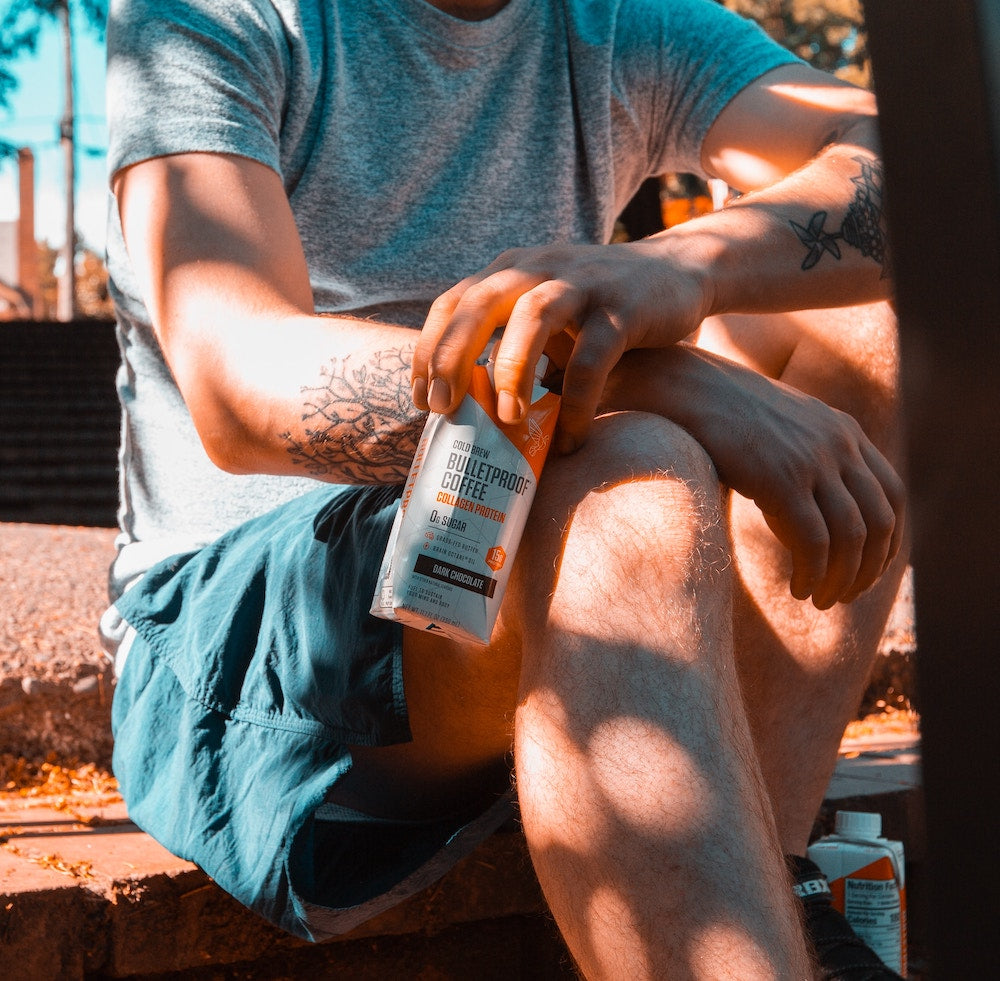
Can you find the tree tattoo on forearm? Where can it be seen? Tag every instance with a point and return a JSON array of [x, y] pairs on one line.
[[360, 423], [862, 227]]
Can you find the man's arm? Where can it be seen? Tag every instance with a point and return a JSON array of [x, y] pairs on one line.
[[808, 234], [824, 489], [805, 147], [271, 387]]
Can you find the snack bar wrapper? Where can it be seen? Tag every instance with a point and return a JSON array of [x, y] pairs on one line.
[[462, 513]]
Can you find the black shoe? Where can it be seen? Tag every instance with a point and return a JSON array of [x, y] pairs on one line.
[[841, 954]]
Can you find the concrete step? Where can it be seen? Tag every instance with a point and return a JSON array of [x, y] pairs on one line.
[[84, 895], [53, 580]]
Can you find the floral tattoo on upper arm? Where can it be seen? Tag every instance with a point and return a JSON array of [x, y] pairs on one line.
[[360, 424], [863, 226]]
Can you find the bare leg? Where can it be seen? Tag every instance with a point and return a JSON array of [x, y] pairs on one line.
[[819, 662], [658, 785], [640, 794]]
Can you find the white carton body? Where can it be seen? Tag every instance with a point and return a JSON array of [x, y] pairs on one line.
[[462, 513], [867, 875]]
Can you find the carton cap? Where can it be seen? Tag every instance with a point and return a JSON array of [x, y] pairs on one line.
[[858, 824]]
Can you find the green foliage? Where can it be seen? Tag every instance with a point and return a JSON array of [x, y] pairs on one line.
[[18, 34], [829, 34]]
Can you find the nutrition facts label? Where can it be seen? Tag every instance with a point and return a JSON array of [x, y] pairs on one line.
[[874, 909]]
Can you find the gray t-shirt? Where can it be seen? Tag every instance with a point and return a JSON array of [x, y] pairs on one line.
[[414, 148]]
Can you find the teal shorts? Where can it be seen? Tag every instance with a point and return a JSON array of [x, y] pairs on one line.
[[254, 667]]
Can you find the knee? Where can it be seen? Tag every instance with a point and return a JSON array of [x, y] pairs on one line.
[[640, 503], [633, 458], [849, 358]]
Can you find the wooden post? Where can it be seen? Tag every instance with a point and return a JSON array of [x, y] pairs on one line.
[[936, 66]]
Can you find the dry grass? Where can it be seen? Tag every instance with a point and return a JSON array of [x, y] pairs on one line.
[[21, 778], [888, 721]]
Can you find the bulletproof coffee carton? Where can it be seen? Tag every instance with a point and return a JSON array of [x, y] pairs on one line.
[[462, 513]]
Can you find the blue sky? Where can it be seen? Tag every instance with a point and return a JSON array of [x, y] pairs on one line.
[[32, 120]]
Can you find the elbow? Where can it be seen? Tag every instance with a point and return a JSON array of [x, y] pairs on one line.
[[230, 437], [228, 412], [229, 456], [228, 445]]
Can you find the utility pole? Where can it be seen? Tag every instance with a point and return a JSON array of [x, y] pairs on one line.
[[66, 304]]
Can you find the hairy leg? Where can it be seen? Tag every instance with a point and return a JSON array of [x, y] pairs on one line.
[[637, 765], [643, 805], [803, 671], [640, 794]]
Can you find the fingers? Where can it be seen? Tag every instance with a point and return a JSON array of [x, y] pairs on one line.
[[845, 533], [802, 529], [598, 349], [522, 293], [459, 324], [883, 512], [895, 495], [849, 541], [530, 307], [541, 313]]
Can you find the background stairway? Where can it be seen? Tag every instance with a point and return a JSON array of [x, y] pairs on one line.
[[59, 423]]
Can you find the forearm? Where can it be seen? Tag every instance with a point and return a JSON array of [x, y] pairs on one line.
[[813, 239], [303, 395], [824, 489], [271, 387], [700, 391], [359, 423]]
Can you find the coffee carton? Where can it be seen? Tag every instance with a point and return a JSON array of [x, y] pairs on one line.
[[462, 513]]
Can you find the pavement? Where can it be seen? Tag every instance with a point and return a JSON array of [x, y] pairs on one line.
[[84, 894], [55, 682], [876, 764]]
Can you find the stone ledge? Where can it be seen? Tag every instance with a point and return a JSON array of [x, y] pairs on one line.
[[85, 895], [55, 681], [67, 719], [55, 697]]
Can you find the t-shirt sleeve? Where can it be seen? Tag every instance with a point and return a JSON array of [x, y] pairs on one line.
[[694, 56], [194, 76]]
